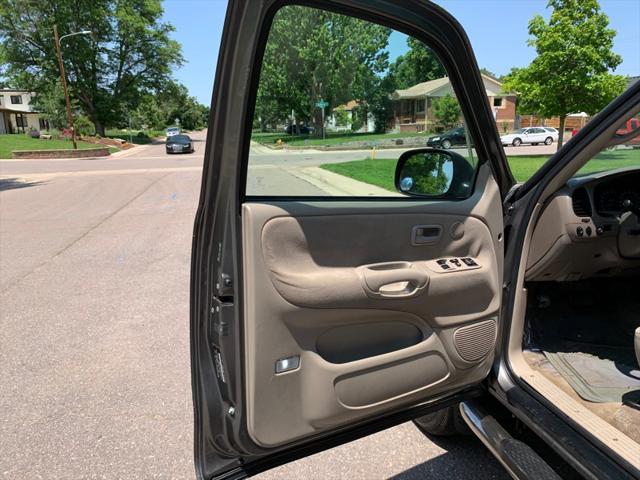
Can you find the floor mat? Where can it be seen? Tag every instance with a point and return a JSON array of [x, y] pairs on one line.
[[597, 373]]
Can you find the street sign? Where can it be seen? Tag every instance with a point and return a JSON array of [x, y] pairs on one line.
[[322, 104]]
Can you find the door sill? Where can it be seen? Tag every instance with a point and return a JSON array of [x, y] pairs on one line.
[[518, 458], [604, 432]]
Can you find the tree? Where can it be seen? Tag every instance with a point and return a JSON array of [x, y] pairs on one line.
[[333, 57], [161, 108], [489, 73], [379, 102], [418, 65], [571, 72], [341, 116], [428, 173], [51, 105], [129, 52], [447, 111]]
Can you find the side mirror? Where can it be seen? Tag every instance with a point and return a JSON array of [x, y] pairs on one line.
[[428, 172]]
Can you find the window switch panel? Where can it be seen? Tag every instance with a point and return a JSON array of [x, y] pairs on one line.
[[453, 264]]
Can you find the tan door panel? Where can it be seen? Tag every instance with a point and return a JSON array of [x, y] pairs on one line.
[[348, 313]]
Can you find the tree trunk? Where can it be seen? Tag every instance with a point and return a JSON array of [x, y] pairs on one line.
[[99, 127], [561, 131]]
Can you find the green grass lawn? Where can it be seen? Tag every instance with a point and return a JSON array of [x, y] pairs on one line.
[[332, 138], [19, 141], [381, 171]]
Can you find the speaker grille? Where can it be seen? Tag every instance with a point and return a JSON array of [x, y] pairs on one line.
[[475, 341]]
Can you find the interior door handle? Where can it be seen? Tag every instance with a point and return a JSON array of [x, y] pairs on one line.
[[425, 234], [393, 279]]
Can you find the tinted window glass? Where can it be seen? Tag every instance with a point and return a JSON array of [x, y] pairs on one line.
[[337, 107]]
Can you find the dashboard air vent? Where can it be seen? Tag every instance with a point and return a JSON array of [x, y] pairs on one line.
[[581, 204]]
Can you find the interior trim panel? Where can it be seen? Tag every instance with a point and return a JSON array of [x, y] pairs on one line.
[[347, 316], [584, 231]]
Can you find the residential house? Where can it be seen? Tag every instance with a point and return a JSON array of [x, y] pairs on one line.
[[413, 106], [335, 124], [17, 114]]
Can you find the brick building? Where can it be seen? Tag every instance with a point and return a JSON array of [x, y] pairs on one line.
[[413, 106]]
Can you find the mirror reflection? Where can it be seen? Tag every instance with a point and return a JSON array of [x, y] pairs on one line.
[[426, 173]]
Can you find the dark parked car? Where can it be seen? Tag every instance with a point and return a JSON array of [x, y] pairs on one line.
[[304, 129], [180, 144], [455, 136]]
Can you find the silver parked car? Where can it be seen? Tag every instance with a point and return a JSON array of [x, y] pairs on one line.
[[171, 131]]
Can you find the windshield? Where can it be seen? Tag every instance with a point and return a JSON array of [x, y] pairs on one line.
[[173, 129], [520, 130], [180, 139], [625, 154]]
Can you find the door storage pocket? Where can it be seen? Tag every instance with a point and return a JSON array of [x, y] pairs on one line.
[[377, 385]]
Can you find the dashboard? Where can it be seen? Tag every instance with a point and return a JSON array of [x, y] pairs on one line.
[[591, 227], [610, 194]]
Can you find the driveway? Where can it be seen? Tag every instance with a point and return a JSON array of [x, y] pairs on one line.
[[94, 344]]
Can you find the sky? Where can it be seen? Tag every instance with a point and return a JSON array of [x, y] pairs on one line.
[[497, 29]]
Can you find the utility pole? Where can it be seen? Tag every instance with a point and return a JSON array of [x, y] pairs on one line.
[[64, 87], [64, 78]]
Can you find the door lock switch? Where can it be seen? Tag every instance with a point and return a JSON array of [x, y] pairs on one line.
[[455, 261]]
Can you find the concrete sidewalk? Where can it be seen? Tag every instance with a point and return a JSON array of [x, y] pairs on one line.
[[339, 185]]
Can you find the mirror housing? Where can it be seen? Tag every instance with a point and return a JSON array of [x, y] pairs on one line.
[[434, 173]]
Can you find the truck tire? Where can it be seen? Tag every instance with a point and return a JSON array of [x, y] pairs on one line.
[[445, 423]]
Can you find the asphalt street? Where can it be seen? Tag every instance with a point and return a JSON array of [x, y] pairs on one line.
[[94, 337]]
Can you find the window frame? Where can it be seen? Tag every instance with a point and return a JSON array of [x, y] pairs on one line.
[[476, 161], [16, 97]]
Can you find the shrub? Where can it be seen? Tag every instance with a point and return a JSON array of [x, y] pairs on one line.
[[34, 133], [83, 126], [447, 111]]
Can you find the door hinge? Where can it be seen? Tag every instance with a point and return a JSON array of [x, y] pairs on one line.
[[224, 285]]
